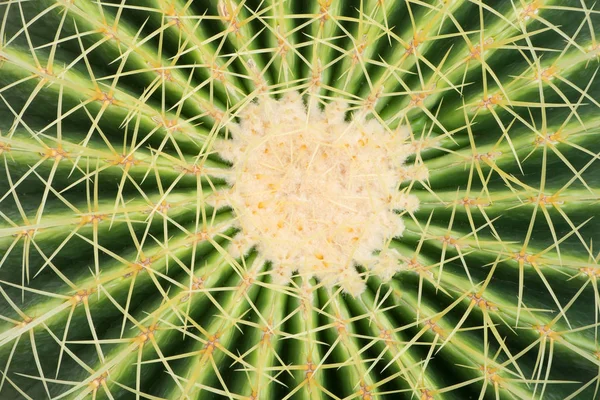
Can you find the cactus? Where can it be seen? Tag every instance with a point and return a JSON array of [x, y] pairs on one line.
[[330, 199]]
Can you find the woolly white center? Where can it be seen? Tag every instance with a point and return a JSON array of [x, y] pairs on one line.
[[317, 194]]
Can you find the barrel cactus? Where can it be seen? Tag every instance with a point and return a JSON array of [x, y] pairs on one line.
[[330, 199]]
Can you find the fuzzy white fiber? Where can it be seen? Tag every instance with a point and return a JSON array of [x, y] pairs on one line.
[[317, 194]]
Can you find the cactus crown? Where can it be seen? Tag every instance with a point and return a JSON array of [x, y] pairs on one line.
[[280, 199]]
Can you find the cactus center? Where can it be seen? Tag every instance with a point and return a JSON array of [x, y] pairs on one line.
[[318, 193]]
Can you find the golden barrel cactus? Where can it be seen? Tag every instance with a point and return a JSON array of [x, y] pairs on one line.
[[321, 199]]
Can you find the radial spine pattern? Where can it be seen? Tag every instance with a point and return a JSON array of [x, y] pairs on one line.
[[325, 199]]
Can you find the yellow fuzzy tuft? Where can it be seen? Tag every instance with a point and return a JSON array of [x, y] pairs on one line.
[[318, 194]]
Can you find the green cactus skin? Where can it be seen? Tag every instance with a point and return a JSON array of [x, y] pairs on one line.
[[117, 279]]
